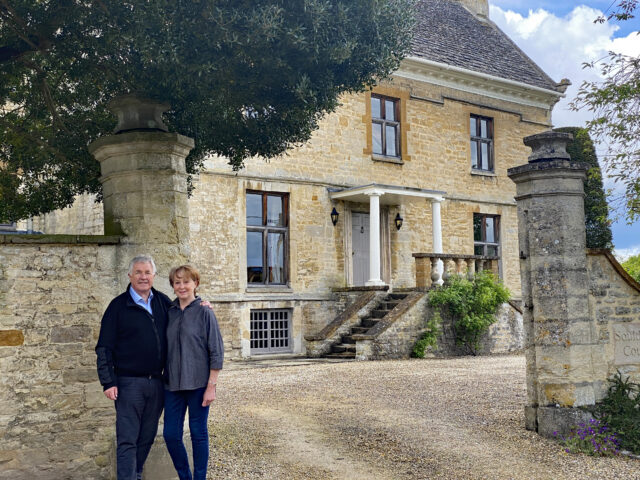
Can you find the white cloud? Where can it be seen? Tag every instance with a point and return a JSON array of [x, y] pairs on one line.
[[561, 45], [629, 45], [623, 254]]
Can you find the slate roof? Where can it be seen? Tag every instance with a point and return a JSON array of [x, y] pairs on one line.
[[448, 33]]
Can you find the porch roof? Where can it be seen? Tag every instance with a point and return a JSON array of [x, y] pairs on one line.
[[389, 194]]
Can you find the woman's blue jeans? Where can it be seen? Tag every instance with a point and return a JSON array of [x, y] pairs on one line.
[[175, 407]]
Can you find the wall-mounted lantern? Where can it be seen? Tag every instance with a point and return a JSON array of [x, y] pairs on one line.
[[334, 216], [399, 221]]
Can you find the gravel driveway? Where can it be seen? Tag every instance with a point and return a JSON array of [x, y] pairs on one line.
[[413, 419]]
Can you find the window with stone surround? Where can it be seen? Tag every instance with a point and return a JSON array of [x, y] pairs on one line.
[[267, 216], [486, 235], [271, 331], [385, 126], [481, 131], [7, 227], [379, 115]]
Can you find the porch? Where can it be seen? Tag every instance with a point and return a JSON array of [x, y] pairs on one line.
[[375, 262]]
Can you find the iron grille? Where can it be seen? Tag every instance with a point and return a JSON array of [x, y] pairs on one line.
[[270, 331]]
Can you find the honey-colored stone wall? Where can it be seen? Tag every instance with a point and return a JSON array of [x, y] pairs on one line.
[[218, 249], [54, 420], [439, 159], [84, 217], [336, 157]]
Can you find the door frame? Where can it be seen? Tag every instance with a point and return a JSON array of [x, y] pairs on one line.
[[385, 241]]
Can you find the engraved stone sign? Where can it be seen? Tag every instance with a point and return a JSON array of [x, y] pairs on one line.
[[626, 341]]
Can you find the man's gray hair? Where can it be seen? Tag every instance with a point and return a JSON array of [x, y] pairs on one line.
[[142, 259]]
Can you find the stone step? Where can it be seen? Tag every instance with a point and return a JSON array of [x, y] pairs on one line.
[[390, 305], [358, 330], [343, 348], [396, 296], [367, 323], [342, 356]]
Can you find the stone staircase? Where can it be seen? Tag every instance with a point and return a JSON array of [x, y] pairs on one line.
[[345, 348]]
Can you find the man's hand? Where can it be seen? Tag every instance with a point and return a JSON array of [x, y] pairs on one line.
[[209, 395], [205, 303], [111, 393]]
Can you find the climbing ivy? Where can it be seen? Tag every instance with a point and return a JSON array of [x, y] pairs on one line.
[[472, 304], [429, 337]]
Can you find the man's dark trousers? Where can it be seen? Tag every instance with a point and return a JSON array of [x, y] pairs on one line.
[[138, 408]]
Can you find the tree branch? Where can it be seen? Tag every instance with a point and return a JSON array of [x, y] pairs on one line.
[[15, 20]]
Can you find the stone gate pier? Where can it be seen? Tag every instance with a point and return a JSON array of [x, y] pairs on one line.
[[144, 183], [581, 310], [55, 422]]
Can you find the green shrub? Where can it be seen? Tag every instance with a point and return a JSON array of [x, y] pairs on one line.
[[472, 304], [632, 266], [429, 337], [620, 409]]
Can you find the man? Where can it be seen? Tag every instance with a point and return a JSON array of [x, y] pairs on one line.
[[131, 353]]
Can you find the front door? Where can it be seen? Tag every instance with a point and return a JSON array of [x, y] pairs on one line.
[[360, 247]]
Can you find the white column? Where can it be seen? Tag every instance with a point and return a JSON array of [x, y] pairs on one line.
[[436, 228], [436, 225], [374, 239]]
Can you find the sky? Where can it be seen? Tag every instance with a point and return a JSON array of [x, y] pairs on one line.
[[560, 36]]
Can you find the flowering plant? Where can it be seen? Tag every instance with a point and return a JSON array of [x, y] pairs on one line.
[[593, 438]]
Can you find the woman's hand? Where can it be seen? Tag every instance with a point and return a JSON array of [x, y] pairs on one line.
[[209, 395]]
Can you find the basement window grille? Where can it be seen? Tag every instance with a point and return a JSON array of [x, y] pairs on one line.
[[270, 331]]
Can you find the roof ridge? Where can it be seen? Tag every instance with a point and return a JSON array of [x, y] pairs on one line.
[[447, 32]]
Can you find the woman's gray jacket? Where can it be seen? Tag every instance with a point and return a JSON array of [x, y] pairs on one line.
[[194, 346]]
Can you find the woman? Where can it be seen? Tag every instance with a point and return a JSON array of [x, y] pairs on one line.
[[194, 359]]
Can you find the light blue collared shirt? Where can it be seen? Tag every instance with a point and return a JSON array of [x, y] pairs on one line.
[[140, 301]]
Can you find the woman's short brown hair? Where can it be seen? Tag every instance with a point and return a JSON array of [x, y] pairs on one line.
[[185, 271]]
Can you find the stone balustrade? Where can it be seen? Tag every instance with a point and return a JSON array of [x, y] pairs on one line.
[[437, 268]]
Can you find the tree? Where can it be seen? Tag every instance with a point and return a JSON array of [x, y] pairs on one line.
[[632, 266], [596, 209], [615, 103], [244, 78]]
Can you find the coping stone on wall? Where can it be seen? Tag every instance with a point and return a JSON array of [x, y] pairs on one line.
[[60, 239]]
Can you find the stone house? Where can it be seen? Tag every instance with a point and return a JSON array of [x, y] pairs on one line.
[[413, 171]]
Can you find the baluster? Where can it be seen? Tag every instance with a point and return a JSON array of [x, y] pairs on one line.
[[446, 274], [461, 266], [436, 276], [471, 268]]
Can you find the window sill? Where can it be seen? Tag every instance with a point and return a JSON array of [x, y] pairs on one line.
[[483, 173], [382, 158], [264, 289]]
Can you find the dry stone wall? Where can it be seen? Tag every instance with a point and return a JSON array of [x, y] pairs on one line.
[[84, 217], [54, 420], [614, 305], [506, 335]]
